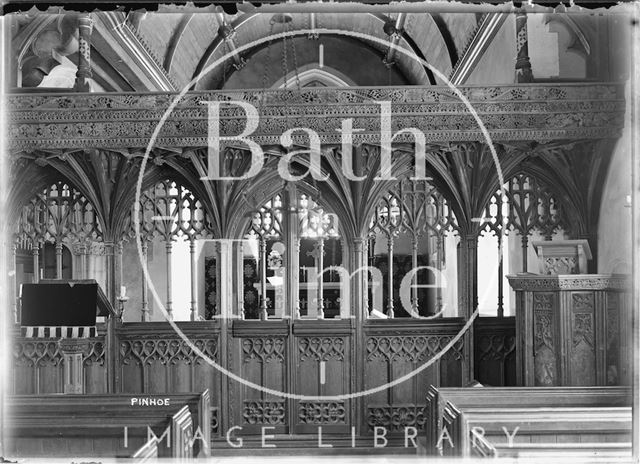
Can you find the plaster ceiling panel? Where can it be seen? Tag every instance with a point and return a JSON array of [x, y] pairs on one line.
[[461, 27], [424, 31], [258, 26], [196, 37], [156, 30]]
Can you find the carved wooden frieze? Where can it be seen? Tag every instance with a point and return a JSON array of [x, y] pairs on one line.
[[321, 348], [537, 283], [322, 412], [265, 349], [533, 112], [38, 353], [166, 351], [259, 412], [411, 348], [545, 369], [396, 418]]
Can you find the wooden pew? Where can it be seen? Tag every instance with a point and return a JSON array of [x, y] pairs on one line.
[[108, 425], [579, 417], [147, 452]]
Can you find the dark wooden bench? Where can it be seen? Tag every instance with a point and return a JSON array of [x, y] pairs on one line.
[[474, 420], [108, 425]]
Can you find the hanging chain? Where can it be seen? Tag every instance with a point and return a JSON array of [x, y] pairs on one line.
[[295, 60], [224, 65], [266, 66], [285, 68]]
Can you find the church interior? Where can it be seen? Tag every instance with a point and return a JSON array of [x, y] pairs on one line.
[[319, 228]]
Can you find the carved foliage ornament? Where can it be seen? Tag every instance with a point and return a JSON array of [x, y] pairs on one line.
[[321, 412], [396, 418], [260, 412], [537, 112]]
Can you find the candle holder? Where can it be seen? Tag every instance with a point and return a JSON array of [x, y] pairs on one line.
[[122, 299]]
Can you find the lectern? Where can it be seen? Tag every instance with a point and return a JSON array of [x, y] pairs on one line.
[[65, 309]]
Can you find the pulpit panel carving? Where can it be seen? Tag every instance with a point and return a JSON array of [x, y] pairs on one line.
[[582, 358], [544, 354], [613, 338]]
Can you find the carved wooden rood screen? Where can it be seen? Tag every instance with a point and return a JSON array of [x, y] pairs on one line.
[[236, 262]]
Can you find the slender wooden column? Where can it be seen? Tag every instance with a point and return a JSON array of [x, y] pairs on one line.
[[239, 277], [110, 256], [35, 250], [320, 262], [500, 279], [296, 282], [390, 312], [467, 271], [14, 259], [360, 293], [263, 280], [194, 280], [525, 248], [83, 250], [58, 260], [414, 265], [439, 255], [523, 65], [84, 53], [145, 298], [119, 265], [169, 306], [292, 253]]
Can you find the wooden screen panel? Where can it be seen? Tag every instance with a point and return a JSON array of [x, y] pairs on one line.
[[322, 368], [389, 358]]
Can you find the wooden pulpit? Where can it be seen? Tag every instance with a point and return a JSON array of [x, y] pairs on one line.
[[67, 310], [572, 329]]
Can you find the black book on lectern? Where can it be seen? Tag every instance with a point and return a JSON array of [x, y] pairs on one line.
[[63, 303]]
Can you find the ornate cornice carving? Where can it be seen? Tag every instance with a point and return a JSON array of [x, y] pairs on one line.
[[537, 112], [537, 283]]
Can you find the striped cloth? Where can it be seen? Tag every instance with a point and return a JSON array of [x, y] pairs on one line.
[[59, 332]]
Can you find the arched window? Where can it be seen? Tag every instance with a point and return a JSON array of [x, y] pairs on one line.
[[527, 209], [312, 236], [412, 246], [171, 221], [54, 234]]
